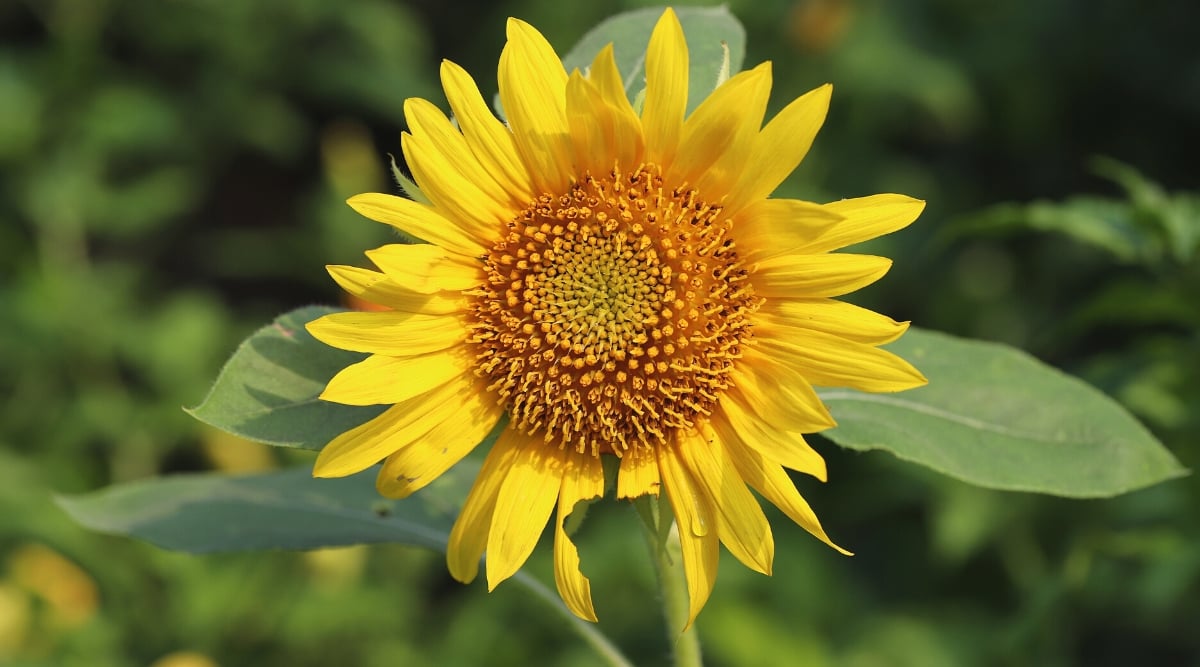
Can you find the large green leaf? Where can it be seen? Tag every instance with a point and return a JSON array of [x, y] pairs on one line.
[[268, 390], [996, 417], [280, 510], [706, 29]]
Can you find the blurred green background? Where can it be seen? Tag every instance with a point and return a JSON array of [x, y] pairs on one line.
[[173, 176]]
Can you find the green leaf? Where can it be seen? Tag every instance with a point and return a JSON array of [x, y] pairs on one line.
[[268, 390], [1177, 218], [1181, 217], [280, 510], [707, 29], [1105, 223], [1144, 229], [996, 417]]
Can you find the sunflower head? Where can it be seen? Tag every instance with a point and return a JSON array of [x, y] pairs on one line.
[[617, 282]]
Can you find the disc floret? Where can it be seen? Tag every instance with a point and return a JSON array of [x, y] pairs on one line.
[[612, 314]]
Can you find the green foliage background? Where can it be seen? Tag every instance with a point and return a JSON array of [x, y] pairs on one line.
[[173, 176]]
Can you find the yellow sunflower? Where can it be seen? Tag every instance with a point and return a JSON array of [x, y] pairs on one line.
[[618, 284]]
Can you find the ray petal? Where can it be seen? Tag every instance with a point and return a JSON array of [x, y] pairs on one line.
[[774, 484], [591, 123], [780, 317], [411, 468], [772, 227], [490, 141], [738, 422], [426, 268], [717, 135], [469, 536], [381, 380], [533, 91], [866, 218], [638, 474], [666, 89], [389, 332], [743, 526], [523, 507], [419, 220], [448, 172], [808, 276], [627, 127], [378, 288], [583, 480], [780, 147], [781, 397], [697, 522], [831, 361], [399, 426]]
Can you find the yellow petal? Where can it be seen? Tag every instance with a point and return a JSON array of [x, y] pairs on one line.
[[666, 89], [808, 276], [717, 136], [469, 535], [736, 421], [638, 475], [399, 426], [533, 92], [774, 484], [780, 396], [377, 288], [449, 174], [389, 332], [866, 218], [743, 526], [772, 227], [627, 127], [780, 317], [490, 141], [426, 268], [523, 507], [832, 361], [699, 532], [418, 220], [780, 147], [604, 74], [412, 467], [591, 124], [379, 379], [583, 480]]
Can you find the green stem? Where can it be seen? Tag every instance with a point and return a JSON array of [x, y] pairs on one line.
[[668, 565], [611, 654]]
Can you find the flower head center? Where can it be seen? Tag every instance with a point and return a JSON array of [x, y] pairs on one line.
[[612, 314]]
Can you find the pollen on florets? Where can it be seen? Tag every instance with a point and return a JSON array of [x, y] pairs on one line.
[[612, 314]]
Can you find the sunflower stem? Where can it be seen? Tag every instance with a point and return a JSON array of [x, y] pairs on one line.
[[665, 551], [607, 650]]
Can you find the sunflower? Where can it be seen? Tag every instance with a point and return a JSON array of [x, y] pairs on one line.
[[614, 283]]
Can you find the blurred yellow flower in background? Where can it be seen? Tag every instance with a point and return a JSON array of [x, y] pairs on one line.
[[616, 282]]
